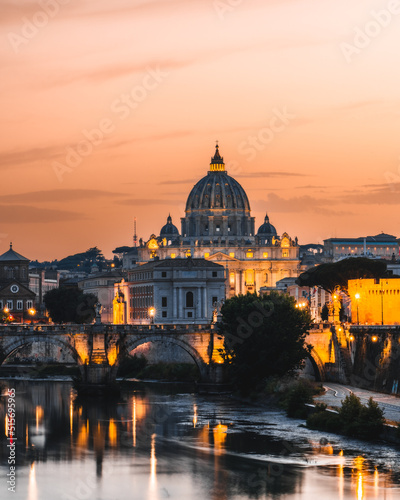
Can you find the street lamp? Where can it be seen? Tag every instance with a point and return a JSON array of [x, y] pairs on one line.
[[357, 296], [152, 312], [32, 312]]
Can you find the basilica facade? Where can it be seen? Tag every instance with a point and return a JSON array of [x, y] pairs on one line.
[[218, 226]]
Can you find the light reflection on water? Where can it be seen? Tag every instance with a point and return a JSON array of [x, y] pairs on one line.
[[152, 446]]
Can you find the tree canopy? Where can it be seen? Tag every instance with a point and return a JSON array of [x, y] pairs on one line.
[[332, 275], [70, 305], [263, 336]]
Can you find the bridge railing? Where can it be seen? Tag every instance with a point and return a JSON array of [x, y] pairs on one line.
[[14, 329], [376, 328]]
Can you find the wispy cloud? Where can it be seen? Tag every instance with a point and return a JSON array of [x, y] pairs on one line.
[[146, 202], [302, 204], [270, 174], [22, 214], [59, 196]]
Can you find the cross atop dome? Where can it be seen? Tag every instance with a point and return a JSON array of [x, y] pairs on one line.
[[217, 162]]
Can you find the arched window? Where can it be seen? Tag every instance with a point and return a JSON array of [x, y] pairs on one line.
[[189, 299]]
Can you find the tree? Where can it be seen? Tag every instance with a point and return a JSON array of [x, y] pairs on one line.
[[324, 313], [263, 336], [70, 305], [329, 276]]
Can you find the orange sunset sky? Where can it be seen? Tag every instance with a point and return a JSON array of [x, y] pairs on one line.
[[164, 79]]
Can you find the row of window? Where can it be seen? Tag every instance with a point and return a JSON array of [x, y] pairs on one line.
[[379, 292], [9, 304], [12, 272]]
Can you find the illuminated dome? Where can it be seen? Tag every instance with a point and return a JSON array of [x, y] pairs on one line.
[[169, 229], [266, 232], [217, 190], [217, 206], [266, 228]]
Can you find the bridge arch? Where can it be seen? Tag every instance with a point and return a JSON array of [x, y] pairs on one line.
[[130, 345], [10, 348], [318, 365]]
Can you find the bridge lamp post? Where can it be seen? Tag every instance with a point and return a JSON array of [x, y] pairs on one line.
[[152, 313], [357, 296]]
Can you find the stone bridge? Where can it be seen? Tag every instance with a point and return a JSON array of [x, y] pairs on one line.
[[367, 356], [98, 349]]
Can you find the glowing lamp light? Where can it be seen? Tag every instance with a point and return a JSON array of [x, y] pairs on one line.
[[32, 311], [6, 310], [357, 296], [352, 337], [152, 311], [374, 338]]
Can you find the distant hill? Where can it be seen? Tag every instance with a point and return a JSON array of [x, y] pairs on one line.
[[78, 262]]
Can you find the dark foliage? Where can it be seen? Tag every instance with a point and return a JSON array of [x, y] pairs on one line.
[[131, 366], [330, 276], [354, 419], [324, 313], [263, 336], [296, 398], [70, 305]]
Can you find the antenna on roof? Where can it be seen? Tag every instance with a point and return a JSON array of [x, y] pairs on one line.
[[134, 232]]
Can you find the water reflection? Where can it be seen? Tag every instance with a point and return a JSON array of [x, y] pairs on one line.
[[178, 446]]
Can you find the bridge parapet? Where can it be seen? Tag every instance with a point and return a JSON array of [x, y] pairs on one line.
[[374, 328], [104, 328]]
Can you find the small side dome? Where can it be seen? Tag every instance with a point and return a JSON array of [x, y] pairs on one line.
[[266, 229], [169, 229]]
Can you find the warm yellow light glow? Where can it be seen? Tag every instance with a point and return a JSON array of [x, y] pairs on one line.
[[374, 338], [82, 438], [112, 355], [206, 255], [71, 416], [249, 254], [134, 421], [360, 486], [265, 255], [32, 312], [352, 337], [173, 255], [32, 492], [219, 433], [153, 463], [39, 416], [231, 254], [376, 482], [194, 415], [357, 296], [152, 312], [112, 433]]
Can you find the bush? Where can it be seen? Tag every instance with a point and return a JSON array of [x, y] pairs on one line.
[[182, 372], [325, 421], [131, 366], [354, 419], [297, 397]]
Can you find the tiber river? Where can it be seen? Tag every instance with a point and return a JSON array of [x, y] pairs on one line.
[[155, 445]]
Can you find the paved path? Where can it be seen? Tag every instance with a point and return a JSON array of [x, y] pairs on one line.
[[335, 393]]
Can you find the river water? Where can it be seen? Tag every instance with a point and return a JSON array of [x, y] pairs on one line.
[[154, 445]]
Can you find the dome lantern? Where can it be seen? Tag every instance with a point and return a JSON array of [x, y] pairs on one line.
[[217, 162]]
